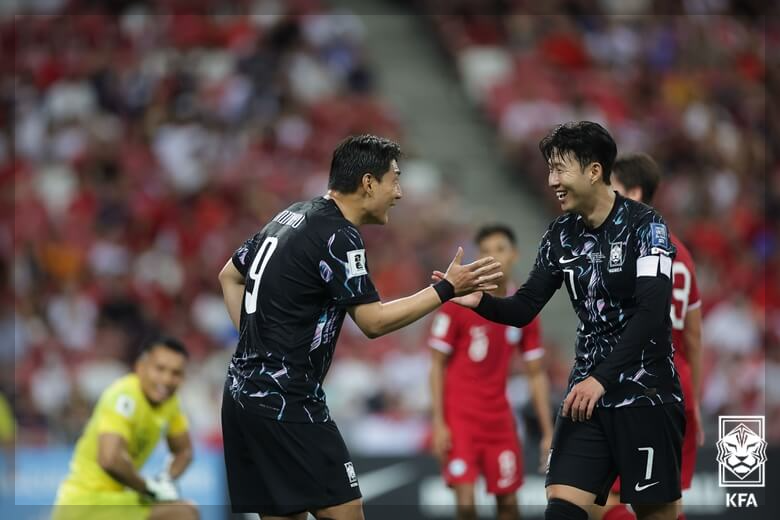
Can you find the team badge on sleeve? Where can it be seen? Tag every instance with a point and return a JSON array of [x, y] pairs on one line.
[[658, 236], [356, 263], [125, 405]]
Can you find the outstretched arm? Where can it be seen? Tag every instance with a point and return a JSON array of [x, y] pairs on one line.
[[519, 309], [377, 319]]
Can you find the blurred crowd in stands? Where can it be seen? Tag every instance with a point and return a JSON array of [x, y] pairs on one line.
[[146, 148], [138, 151], [688, 86]]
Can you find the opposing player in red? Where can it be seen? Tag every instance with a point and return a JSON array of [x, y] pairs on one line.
[[637, 176], [474, 429]]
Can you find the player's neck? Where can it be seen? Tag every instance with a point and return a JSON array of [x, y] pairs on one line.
[[599, 208], [349, 204]]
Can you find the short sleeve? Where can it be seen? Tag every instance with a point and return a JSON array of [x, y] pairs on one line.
[[344, 269], [179, 423], [530, 344], [115, 414], [444, 330], [242, 257], [653, 246]]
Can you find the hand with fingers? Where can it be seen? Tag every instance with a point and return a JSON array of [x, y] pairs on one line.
[[468, 281], [441, 440], [582, 399]]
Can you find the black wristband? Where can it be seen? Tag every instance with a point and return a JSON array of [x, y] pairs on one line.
[[445, 290]]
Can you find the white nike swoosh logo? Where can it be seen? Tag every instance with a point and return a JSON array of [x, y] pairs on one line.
[[637, 487], [567, 260], [381, 481]]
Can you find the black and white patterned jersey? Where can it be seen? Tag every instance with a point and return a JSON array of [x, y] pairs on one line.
[[618, 279], [303, 270]]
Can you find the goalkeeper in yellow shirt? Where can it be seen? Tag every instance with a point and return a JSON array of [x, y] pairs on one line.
[[104, 482]]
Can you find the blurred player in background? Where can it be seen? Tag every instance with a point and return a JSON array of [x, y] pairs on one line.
[[131, 415], [7, 441], [637, 176], [473, 425], [287, 290], [623, 414]]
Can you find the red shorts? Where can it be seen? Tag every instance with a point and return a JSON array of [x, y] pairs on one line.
[[688, 453], [498, 458]]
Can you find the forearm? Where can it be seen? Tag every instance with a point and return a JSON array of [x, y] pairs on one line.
[[692, 335], [694, 360], [232, 293], [437, 393], [540, 396], [122, 470], [181, 461], [403, 311], [519, 309]]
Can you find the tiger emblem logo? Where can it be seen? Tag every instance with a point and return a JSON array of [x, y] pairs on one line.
[[741, 451]]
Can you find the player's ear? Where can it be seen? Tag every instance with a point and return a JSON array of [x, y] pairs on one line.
[[367, 181], [595, 172]]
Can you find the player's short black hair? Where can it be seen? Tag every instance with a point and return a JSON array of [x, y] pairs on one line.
[[589, 142], [166, 342], [358, 155], [638, 170], [492, 229]]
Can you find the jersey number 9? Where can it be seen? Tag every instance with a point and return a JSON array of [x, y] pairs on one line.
[[256, 273]]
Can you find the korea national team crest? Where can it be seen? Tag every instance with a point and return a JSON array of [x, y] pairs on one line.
[[741, 451], [616, 256]]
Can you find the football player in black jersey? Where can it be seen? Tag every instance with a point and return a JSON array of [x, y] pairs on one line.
[[287, 290], [623, 413]]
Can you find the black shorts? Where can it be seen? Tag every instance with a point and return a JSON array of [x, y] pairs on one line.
[[281, 468], [642, 445]]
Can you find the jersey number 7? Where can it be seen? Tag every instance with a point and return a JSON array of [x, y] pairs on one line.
[[256, 272]]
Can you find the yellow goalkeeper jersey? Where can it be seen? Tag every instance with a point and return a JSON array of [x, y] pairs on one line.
[[122, 409], [7, 423]]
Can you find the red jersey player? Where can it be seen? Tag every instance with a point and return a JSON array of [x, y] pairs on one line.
[[636, 176], [473, 426]]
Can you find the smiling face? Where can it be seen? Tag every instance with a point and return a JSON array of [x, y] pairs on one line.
[[161, 372], [573, 185], [382, 194]]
